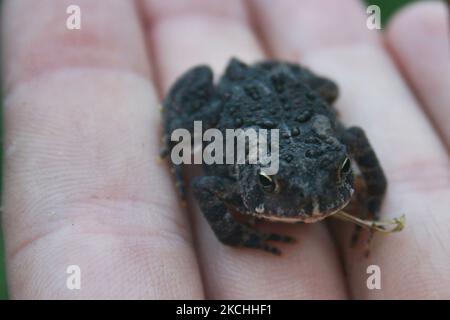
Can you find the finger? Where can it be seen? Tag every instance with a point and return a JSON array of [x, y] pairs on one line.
[[81, 184], [414, 263], [184, 34], [418, 38], [311, 31]]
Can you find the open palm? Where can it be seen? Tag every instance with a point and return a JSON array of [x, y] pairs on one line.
[[82, 132]]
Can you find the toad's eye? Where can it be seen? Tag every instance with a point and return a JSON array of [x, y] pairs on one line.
[[267, 182], [345, 167]]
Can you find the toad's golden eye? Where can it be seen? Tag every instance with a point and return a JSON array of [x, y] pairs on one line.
[[345, 167], [267, 182]]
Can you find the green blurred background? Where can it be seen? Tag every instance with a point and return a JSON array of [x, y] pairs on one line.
[[388, 7]]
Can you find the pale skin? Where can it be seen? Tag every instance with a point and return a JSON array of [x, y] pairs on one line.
[[81, 120]]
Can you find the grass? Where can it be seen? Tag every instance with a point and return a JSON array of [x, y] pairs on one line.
[[388, 7]]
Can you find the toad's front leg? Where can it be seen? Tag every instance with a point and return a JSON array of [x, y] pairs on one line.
[[372, 175], [212, 193]]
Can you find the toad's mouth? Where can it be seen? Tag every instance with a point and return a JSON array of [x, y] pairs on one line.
[[316, 215]]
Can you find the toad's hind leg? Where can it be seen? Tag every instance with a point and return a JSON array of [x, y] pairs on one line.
[[187, 101], [212, 193], [372, 176]]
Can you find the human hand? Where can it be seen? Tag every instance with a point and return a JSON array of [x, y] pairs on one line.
[[82, 187]]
